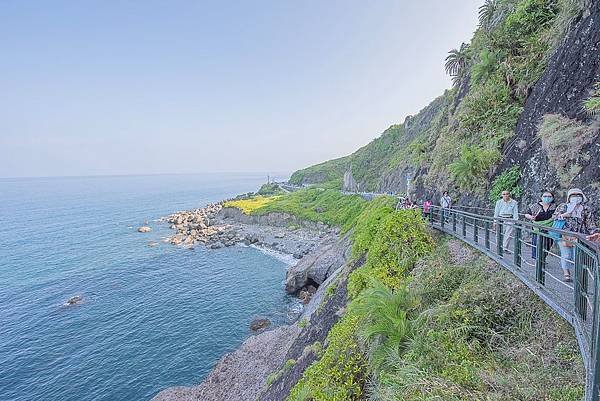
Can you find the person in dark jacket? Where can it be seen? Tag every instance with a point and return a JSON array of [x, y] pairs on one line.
[[542, 213]]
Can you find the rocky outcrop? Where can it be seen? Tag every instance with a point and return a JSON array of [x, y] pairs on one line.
[[325, 309], [74, 300], [317, 266], [193, 226], [349, 181], [259, 323]]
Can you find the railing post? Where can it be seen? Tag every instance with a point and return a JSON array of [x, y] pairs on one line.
[[464, 226], [475, 231], [517, 246], [443, 215], [577, 287], [487, 234], [453, 221], [540, 259], [499, 239]]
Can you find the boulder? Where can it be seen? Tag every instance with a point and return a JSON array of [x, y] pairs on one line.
[[259, 323], [144, 229], [74, 300], [315, 267]]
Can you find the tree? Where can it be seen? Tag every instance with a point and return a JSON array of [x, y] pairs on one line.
[[457, 62], [486, 13]]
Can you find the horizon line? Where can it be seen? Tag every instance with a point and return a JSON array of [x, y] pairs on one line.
[[143, 174]]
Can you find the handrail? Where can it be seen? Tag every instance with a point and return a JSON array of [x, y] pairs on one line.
[[507, 241]]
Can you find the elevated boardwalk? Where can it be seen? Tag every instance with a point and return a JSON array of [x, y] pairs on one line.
[[576, 301]]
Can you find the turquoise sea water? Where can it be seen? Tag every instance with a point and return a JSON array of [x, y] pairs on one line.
[[152, 317]]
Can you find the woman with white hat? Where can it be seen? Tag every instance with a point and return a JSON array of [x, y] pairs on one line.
[[578, 218]]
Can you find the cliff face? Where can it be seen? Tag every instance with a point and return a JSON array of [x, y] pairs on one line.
[[526, 112], [566, 83]]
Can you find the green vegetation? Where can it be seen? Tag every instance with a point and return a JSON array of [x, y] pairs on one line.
[[472, 345], [317, 204], [276, 375], [270, 189], [399, 239], [472, 165], [430, 322], [339, 374], [250, 205], [592, 105], [563, 140], [507, 181], [457, 63]]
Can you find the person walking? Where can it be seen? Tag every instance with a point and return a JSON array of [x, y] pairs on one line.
[[541, 213], [427, 209], [507, 209], [445, 203], [446, 200], [578, 218]]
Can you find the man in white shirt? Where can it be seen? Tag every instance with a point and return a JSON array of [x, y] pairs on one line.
[[507, 208]]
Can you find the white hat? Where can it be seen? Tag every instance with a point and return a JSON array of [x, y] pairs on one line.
[[576, 191]]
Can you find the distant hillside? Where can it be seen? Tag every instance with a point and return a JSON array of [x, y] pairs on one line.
[[523, 113]]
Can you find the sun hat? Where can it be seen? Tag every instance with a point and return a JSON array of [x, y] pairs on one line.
[[576, 191]]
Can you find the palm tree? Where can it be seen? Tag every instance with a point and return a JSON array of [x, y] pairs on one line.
[[486, 13], [457, 62]]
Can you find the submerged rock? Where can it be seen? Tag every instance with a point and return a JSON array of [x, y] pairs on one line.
[[74, 300], [259, 323]]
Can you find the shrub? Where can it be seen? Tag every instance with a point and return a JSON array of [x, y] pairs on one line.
[[397, 241], [592, 105], [339, 374], [470, 169], [488, 62], [507, 181], [386, 326]]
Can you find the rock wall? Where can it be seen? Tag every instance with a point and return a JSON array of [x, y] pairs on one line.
[[566, 83]]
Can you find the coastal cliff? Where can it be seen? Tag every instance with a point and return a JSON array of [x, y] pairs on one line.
[[521, 114]]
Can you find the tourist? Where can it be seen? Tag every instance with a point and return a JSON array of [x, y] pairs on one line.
[[541, 213], [427, 209], [445, 201], [578, 218], [507, 209]]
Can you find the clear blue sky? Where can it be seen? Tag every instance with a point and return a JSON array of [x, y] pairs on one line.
[[143, 87]]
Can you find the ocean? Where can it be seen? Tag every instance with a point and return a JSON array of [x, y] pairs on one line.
[[151, 316]]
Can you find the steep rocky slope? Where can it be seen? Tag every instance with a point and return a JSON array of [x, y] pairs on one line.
[[518, 102]]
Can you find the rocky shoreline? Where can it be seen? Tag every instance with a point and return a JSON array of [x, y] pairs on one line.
[[320, 256]]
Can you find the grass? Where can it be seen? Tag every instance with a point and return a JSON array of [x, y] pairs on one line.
[[563, 140], [317, 204]]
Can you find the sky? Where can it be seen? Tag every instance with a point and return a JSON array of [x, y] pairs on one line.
[[150, 87]]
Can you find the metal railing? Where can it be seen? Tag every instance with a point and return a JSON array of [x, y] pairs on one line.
[[533, 253]]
